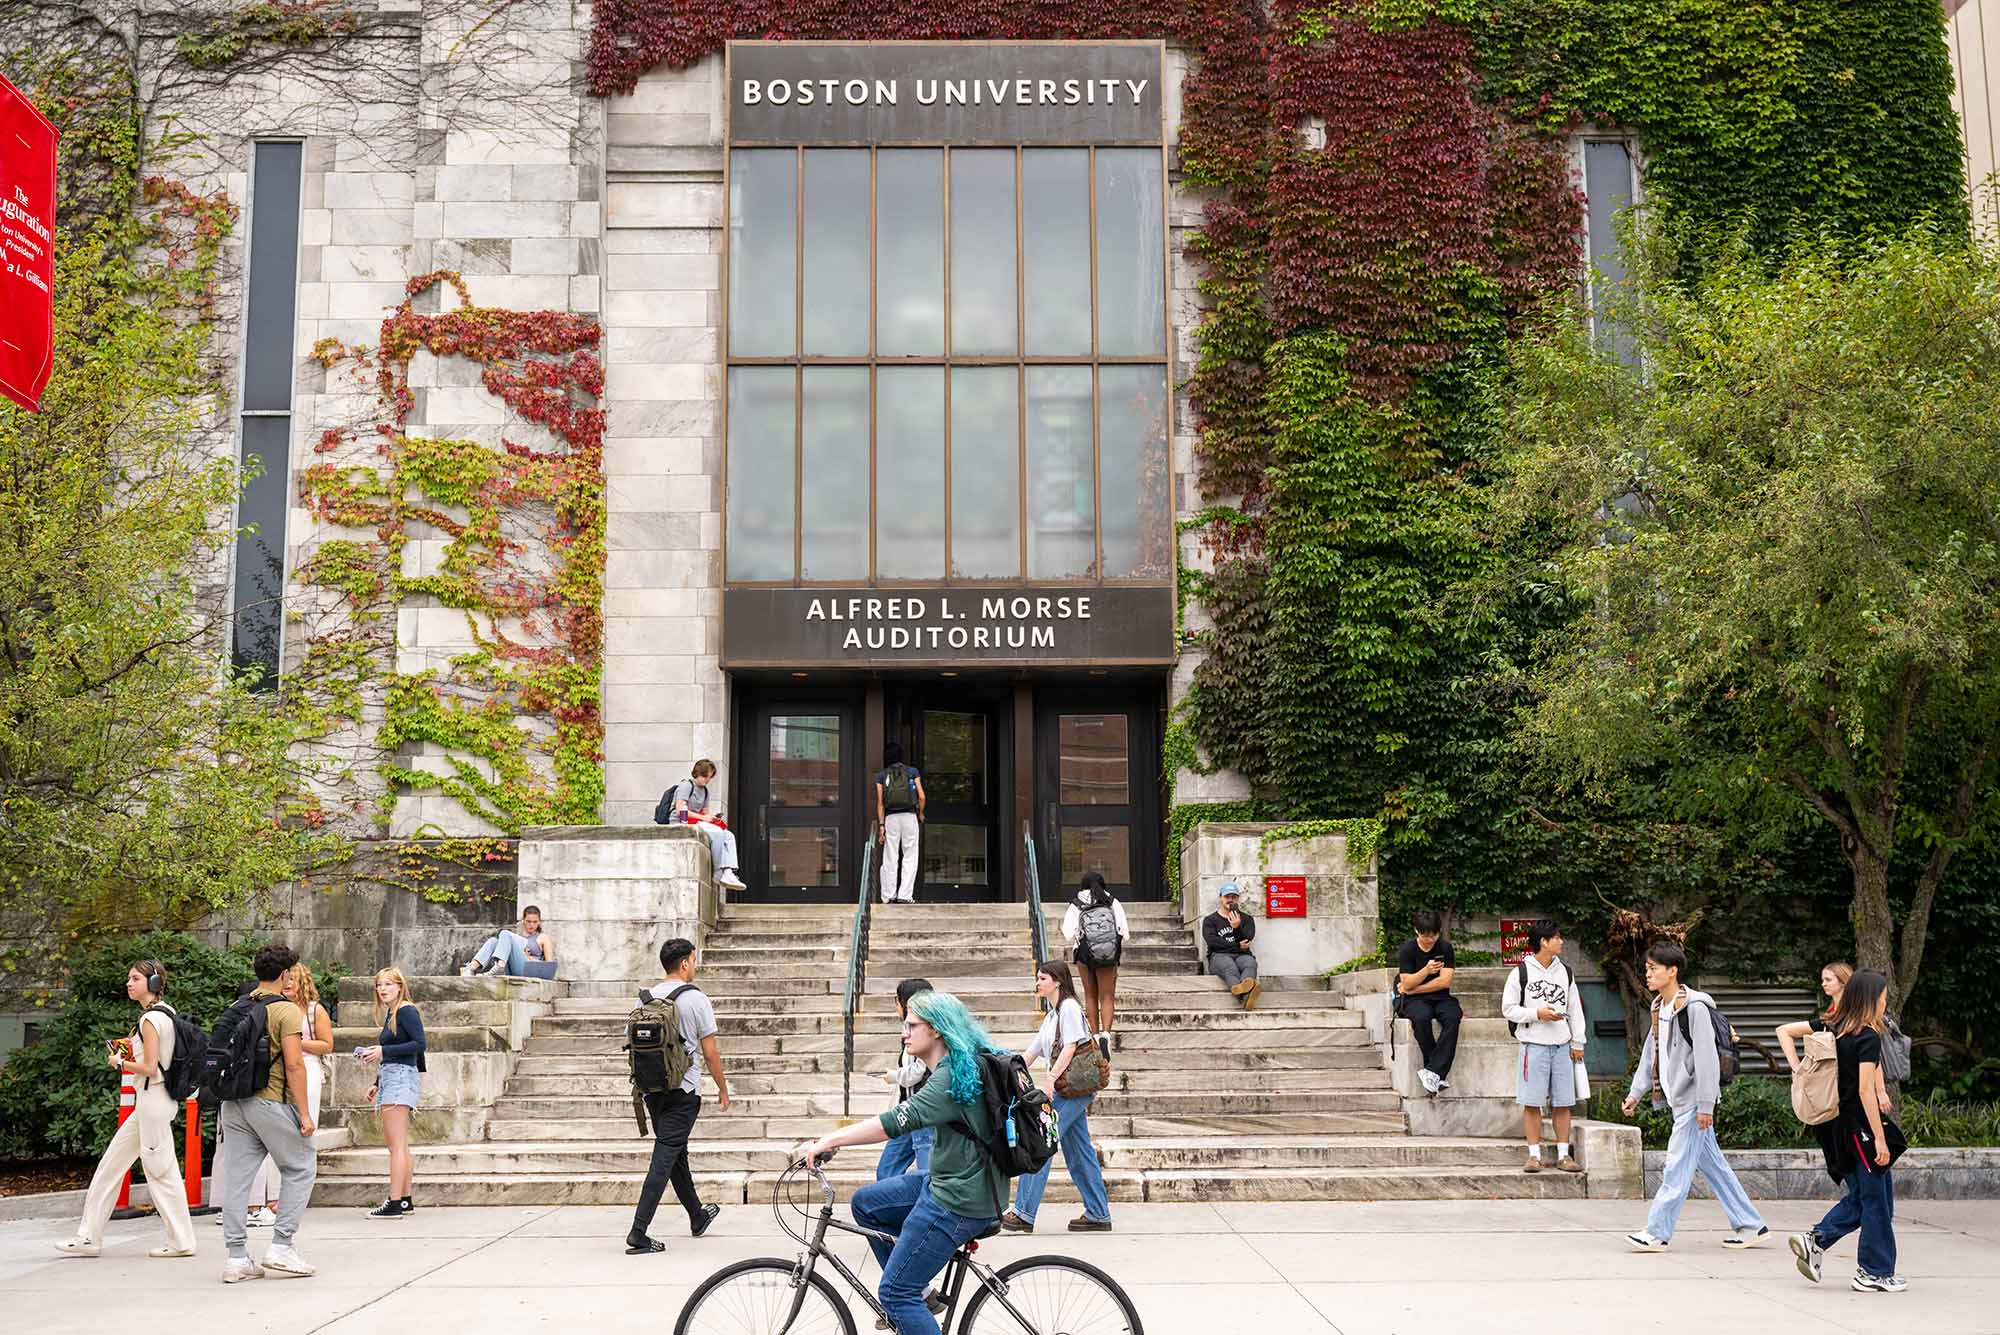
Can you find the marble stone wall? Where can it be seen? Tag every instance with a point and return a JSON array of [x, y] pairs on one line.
[[611, 896], [1341, 899]]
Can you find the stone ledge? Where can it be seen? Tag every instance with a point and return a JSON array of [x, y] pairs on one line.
[[554, 833], [1948, 1174]]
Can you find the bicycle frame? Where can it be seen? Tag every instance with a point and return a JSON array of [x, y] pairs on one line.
[[951, 1281]]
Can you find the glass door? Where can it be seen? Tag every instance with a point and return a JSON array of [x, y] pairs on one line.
[[1096, 795], [955, 753], [799, 845]]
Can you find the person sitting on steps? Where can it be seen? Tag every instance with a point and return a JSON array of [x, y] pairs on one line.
[[528, 953], [687, 802], [1225, 936], [1424, 967]]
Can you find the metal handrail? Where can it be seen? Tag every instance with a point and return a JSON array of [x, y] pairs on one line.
[[1037, 925], [857, 974]]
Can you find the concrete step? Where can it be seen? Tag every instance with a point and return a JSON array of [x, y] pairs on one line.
[[1017, 1000], [356, 991], [1113, 1103], [868, 1063], [946, 962], [739, 1125], [1271, 1016], [881, 1045], [443, 1038], [716, 1188], [1361, 1184], [613, 1082]]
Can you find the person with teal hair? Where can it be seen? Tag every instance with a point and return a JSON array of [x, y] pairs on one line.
[[929, 1215]]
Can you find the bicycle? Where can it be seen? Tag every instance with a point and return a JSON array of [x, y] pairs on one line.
[[768, 1295]]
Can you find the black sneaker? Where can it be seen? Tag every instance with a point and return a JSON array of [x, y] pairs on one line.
[[393, 1208], [708, 1214], [638, 1244]]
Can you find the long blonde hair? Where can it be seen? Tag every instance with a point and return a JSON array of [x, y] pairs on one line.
[[308, 989], [381, 1012], [1842, 970]]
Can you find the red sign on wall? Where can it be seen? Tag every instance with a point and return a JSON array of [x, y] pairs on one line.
[[1284, 896], [27, 247], [1514, 939]]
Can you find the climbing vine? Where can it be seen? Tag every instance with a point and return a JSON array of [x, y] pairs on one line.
[[511, 538]]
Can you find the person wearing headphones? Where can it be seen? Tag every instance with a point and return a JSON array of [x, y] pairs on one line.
[[148, 1134]]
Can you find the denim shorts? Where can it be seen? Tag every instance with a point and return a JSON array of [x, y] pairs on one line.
[[1547, 1076], [397, 1083]]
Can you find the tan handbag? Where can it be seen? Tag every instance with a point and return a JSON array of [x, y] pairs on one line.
[[1086, 1073]]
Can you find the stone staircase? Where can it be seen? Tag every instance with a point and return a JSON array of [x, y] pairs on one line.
[[1206, 1102]]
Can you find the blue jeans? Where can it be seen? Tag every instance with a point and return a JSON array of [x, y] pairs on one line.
[[511, 947], [1690, 1148], [1869, 1205], [926, 1235], [1079, 1155], [905, 1154]]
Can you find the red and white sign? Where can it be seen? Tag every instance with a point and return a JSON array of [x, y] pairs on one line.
[[27, 247], [1514, 939], [1284, 896]]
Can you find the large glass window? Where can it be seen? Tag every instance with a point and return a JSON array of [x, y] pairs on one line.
[[947, 364]]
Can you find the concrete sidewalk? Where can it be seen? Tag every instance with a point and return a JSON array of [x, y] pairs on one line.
[[1311, 1269]]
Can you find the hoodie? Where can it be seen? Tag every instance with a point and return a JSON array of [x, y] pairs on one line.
[[1554, 987], [1689, 1071]]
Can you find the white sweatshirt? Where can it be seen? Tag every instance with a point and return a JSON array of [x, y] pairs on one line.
[[1554, 987]]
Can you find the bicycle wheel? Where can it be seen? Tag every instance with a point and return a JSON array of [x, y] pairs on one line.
[[1056, 1295], [754, 1298]]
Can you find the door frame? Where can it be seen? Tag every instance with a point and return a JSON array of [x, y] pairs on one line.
[[751, 777], [1141, 708], [905, 703]]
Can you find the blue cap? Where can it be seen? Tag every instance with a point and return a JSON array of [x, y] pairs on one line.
[[1229, 888]]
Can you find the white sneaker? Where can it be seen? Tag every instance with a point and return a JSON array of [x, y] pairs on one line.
[[1428, 1079], [1642, 1241], [240, 1268], [729, 880], [261, 1217], [1867, 1283], [287, 1261], [164, 1253], [1743, 1237], [469, 970], [1807, 1252], [79, 1247]]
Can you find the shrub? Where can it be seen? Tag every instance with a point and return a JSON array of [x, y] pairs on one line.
[[1755, 1113], [58, 1096]]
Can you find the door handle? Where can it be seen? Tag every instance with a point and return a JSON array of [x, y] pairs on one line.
[[763, 825], [1055, 830]]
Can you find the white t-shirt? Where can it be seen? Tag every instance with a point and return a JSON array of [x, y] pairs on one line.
[[1061, 1028], [162, 1024]]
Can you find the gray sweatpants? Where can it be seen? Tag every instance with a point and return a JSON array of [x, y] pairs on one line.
[[251, 1129], [1232, 969]]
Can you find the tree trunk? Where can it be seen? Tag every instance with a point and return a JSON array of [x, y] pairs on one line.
[[1874, 926]]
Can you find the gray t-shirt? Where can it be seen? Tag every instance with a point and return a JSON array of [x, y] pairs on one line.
[[694, 794], [697, 1017]]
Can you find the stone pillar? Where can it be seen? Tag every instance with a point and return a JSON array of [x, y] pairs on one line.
[[1341, 919], [611, 894]]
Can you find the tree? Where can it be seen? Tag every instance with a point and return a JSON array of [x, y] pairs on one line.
[[1781, 523]]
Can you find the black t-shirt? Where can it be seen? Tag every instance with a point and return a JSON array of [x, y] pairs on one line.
[[1412, 956], [1850, 1051]]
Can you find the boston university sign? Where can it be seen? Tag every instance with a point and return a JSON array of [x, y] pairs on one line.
[[945, 93], [1067, 625]]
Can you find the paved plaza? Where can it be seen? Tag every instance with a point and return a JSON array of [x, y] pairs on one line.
[[1309, 1269]]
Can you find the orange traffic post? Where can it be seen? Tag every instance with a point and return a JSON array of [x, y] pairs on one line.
[[191, 1170]]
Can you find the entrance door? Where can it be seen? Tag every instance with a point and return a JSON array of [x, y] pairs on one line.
[[957, 749], [1096, 794], [798, 843]]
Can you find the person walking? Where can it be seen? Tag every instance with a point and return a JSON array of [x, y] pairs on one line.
[[673, 1112], [911, 1153], [1063, 1035], [1543, 1006], [1681, 1068], [1832, 981], [1226, 935], [148, 1134], [399, 1052], [315, 1043], [1094, 923], [929, 1215], [687, 802], [1861, 1144], [275, 1119], [1424, 967], [528, 953], [899, 817]]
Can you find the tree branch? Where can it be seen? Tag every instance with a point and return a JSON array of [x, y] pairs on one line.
[[1916, 923]]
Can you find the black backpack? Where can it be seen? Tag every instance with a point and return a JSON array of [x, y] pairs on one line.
[[663, 814], [236, 1060], [899, 789], [1020, 1113], [182, 1076], [1727, 1062], [1569, 980]]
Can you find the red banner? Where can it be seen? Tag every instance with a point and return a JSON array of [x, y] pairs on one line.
[[27, 247], [1284, 896]]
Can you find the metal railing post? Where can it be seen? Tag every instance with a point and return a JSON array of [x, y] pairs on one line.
[[857, 975]]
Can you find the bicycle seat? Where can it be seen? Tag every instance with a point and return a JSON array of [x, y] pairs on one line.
[[992, 1231]]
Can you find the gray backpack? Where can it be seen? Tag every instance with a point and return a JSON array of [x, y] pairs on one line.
[[1099, 934]]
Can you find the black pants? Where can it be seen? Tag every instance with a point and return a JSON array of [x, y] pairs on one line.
[[1439, 1051], [673, 1115]]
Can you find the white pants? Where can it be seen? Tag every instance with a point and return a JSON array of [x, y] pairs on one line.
[[264, 1187], [148, 1137], [899, 856]]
